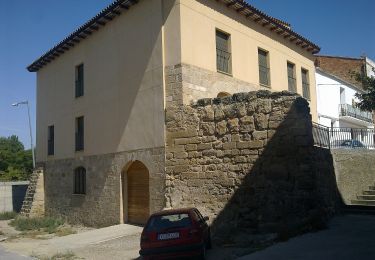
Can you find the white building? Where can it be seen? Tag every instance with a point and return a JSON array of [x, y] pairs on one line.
[[335, 103], [336, 98]]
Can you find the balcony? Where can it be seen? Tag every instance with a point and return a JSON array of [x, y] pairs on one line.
[[346, 110]]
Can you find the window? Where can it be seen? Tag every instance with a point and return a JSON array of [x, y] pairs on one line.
[[223, 55], [51, 140], [264, 70], [292, 85], [305, 84], [79, 133], [80, 180], [79, 80]]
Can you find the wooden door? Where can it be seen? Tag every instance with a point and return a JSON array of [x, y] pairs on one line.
[[138, 193]]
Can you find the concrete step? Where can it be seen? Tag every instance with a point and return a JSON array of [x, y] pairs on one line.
[[363, 202], [366, 197], [371, 187], [369, 192]]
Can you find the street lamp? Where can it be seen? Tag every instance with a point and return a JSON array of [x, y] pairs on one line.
[[31, 135]]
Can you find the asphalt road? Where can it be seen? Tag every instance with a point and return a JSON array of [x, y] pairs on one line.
[[349, 237]]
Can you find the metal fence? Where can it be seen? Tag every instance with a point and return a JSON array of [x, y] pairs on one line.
[[343, 137]]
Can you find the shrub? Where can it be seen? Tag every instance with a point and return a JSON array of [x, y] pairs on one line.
[[49, 225], [8, 215]]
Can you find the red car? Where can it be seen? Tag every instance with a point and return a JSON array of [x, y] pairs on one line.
[[171, 234]]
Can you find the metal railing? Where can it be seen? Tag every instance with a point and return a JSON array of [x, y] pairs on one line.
[[321, 135], [349, 110], [343, 137]]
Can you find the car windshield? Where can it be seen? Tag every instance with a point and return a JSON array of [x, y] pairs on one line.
[[158, 223]]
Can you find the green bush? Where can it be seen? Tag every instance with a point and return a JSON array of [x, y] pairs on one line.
[[7, 215], [48, 225]]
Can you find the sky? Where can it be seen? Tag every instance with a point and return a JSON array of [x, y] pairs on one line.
[[30, 28]]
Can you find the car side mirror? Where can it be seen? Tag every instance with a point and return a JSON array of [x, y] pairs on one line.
[[206, 218]]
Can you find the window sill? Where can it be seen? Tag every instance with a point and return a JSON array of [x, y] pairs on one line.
[[78, 195], [265, 86], [225, 73]]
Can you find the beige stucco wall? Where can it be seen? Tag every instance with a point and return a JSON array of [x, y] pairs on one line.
[[123, 100], [124, 96], [200, 19]]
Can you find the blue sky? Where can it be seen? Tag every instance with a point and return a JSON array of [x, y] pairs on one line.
[[29, 28]]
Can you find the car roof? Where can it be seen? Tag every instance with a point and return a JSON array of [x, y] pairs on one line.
[[173, 211]]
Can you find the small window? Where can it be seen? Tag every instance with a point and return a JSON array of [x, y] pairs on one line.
[[223, 54], [51, 140], [292, 85], [80, 180], [79, 80], [264, 68], [79, 133], [305, 84]]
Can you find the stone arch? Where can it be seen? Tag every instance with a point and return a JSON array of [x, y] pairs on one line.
[[135, 192]]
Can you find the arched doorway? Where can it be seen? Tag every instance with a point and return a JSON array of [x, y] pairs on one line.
[[138, 193]]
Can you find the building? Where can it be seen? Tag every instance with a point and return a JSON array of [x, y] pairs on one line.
[[336, 89], [102, 94]]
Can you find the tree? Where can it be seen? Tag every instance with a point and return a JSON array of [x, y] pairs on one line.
[[15, 161], [367, 99]]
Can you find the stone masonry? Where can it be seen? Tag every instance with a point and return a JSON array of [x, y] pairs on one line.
[[186, 83], [33, 204], [101, 205], [248, 162]]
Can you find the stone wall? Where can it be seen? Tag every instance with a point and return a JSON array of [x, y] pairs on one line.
[[248, 162], [355, 171], [186, 83], [101, 205], [33, 204]]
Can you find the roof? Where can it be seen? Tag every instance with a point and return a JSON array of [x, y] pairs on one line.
[[339, 57], [120, 6], [338, 79]]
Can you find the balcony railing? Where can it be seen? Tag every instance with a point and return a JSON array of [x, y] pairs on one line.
[[348, 110]]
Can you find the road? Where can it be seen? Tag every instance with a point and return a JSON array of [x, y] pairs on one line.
[[349, 237]]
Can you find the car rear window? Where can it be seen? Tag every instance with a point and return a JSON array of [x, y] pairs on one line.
[[158, 223]]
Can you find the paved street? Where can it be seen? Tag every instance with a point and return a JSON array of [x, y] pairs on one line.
[[350, 237]]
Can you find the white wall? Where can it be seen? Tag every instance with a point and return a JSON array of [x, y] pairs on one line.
[[328, 96]]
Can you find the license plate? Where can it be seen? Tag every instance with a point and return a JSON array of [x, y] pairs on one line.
[[167, 236]]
